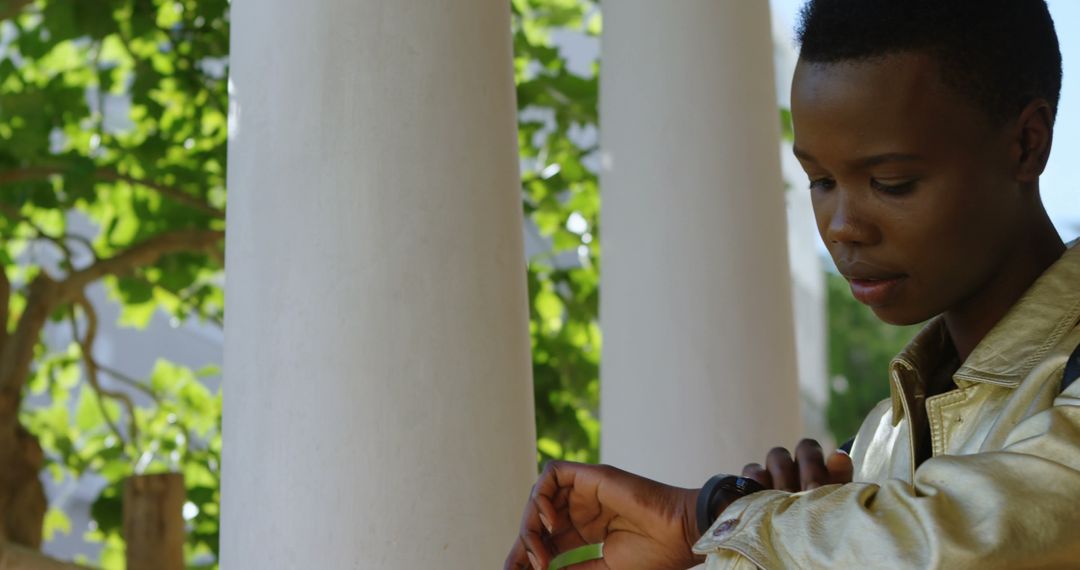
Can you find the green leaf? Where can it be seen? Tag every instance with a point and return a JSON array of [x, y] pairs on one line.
[[549, 306], [137, 315], [55, 521], [57, 472], [68, 375], [108, 510], [112, 555], [87, 412], [115, 470], [787, 130], [60, 18], [168, 378], [55, 417], [209, 370], [549, 447], [595, 25]]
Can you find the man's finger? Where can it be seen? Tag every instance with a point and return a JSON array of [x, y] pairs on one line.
[[782, 469], [518, 559], [840, 467], [566, 540], [549, 517], [531, 549], [536, 551], [758, 473], [811, 465]]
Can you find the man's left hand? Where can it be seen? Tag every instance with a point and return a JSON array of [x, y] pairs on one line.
[[808, 469]]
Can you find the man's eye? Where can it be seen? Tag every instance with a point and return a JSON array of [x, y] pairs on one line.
[[895, 189], [822, 183]]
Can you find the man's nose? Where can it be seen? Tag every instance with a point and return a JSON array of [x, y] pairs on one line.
[[846, 224]]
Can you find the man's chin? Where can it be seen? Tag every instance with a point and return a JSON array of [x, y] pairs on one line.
[[899, 315]]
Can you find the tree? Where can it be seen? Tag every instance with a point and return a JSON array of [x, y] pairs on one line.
[[113, 116]]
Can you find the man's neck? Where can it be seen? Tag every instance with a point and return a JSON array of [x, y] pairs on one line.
[[971, 321]]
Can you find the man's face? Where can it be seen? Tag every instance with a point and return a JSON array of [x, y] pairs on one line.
[[912, 186]]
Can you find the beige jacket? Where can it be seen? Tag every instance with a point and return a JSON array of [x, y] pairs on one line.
[[1001, 489]]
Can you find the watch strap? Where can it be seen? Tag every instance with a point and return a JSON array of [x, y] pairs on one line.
[[717, 485]]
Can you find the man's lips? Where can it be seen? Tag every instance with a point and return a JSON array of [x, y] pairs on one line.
[[874, 292], [870, 284]]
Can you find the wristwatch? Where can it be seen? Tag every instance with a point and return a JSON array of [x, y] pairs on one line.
[[722, 489]]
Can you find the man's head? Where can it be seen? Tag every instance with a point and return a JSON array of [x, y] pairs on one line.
[[924, 126], [999, 54]]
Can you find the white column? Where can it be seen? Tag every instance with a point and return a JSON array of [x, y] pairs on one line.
[[805, 254], [811, 309], [699, 372], [378, 400]]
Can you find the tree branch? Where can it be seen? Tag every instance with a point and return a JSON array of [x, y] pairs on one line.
[[18, 351], [5, 303], [46, 295], [29, 173], [174, 194], [59, 241], [129, 381], [153, 395], [18, 556], [140, 255], [86, 346], [12, 8]]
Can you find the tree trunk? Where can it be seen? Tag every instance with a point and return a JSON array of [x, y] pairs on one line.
[[22, 497], [18, 557], [154, 521], [23, 502]]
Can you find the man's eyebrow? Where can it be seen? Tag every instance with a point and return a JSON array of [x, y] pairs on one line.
[[866, 161], [877, 159]]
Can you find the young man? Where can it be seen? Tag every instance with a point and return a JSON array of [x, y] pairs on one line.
[[923, 126]]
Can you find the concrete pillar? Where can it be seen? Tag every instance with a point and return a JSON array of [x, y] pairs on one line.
[[699, 372], [378, 399]]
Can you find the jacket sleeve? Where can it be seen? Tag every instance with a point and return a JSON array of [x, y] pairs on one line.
[[1004, 509]]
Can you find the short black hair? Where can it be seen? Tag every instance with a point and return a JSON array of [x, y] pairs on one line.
[[1000, 54]]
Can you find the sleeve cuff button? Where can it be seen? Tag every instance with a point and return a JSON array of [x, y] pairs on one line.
[[725, 527]]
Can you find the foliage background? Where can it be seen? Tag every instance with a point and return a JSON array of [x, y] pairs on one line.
[[113, 121], [860, 349], [558, 112]]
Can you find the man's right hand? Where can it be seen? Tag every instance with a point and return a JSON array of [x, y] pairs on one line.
[[642, 523]]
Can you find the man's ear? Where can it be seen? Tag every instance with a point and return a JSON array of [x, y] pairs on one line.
[[1034, 135]]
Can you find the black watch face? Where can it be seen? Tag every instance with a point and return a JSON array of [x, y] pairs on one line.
[[743, 485]]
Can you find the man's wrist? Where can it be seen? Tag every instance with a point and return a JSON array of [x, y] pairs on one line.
[[691, 532], [719, 492], [719, 502]]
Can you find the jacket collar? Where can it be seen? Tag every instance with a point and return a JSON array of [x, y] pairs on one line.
[[908, 371], [1048, 310]]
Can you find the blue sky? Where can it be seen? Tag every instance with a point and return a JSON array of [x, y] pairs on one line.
[[1061, 181]]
